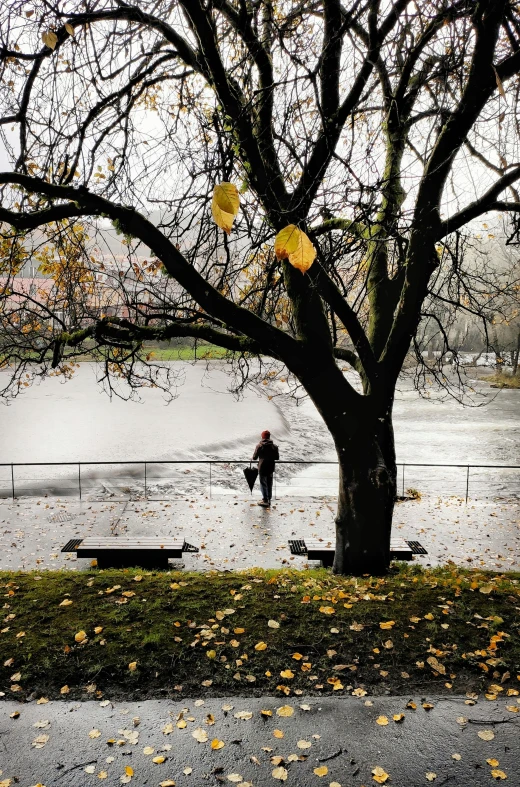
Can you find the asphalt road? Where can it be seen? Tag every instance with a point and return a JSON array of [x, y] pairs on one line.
[[329, 742]]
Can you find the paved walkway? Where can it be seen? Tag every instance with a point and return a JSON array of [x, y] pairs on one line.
[[337, 742], [234, 533]]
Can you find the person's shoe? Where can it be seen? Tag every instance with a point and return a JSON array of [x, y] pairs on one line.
[[264, 503]]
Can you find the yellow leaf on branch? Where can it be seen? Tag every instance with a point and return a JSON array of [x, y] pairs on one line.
[[50, 39], [293, 244], [225, 205]]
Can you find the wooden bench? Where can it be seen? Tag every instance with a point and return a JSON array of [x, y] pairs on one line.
[[119, 551], [323, 550]]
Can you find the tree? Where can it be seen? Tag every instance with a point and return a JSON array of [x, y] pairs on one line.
[[381, 129]]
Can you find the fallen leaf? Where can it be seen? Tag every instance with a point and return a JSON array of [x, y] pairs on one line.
[[148, 750], [388, 624], [431, 776], [279, 773], [159, 760], [132, 666], [273, 624], [328, 610], [260, 646], [216, 744], [321, 771], [304, 744], [486, 735], [287, 673], [379, 775], [235, 777], [285, 710], [94, 734], [494, 763], [243, 714], [40, 741], [200, 735], [496, 774], [278, 733], [80, 636], [382, 721], [66, 602]]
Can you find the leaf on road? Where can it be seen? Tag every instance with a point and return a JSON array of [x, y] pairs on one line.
[[486, 735], [285, 711], [200, 735], [379, 775]]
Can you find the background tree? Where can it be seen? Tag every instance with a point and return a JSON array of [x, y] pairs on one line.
[[382, 129]]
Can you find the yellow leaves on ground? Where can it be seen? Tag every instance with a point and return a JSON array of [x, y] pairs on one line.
[[359, 692], [132, 666], [167, 783], [387, 624], [159, 759], [436, 665], [287, 673], [98, 629], [80, 636], [379, 775], [293, 244], [494, 763], [129, 771], [261, 646], [496, 774], [285, 711], [50, 39], [304, 744], [211, 654], [297, 656], [321, 771], [356, 626], [200, 735], [225, 205], [382, 721], [328, 610], [486, 735], [279, 773], [431, 776], [66, 602], [216, 744], [273, 624], [397, 717], [94, 734], [278, 733]]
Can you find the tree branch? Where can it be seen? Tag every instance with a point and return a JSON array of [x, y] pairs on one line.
[[479, 206]]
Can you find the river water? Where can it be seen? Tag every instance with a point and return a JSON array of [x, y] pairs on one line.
[[77, 422]]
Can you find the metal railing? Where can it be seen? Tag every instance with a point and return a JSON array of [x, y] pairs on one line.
[[212, 463]]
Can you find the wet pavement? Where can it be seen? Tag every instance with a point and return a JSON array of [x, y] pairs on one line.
[[252, 742], [234, 533]]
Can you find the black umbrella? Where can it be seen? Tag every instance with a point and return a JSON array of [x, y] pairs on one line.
[[251, 474]]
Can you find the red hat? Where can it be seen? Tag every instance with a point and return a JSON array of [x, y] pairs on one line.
[[266, 434]]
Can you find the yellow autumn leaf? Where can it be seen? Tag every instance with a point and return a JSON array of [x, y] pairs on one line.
[[287, 673], [129, 771], [266, 713], [494, 763], [387, 624], [94, 734], [286, 241], [64, 689], [273, 624], [304, 255], [321, 771], [148, 750], [211, 654], [169, 782], [216, 744], [297, 656], [260, 646], [428, 616], [382, 721], [66, 602], [327, 610], [285, 711], [486, 735], [496, 774], [278, 733], [50, 39], [102, 775], [304, 744], [359, 692], [398, 717], [200, 735], [279, 773], [226, 196], [379, 775], [69, 29], [224, 205], [132, 666], [486, 589], [98, 629], [159, 760], [80, 636], [431, 776]]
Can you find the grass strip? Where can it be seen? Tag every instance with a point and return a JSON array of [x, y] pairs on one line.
[[141, 634]]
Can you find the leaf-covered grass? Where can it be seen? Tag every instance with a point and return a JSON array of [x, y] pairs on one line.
[[444, 630], [503, 380]]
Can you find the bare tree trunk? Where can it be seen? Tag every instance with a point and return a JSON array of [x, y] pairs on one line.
[[367, 492], [515, 354]]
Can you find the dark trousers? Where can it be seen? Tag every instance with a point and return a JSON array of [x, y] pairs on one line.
[[266, 485]]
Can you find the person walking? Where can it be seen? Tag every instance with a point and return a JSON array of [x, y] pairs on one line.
[[267, 453]]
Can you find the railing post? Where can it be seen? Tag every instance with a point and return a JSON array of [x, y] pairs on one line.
[[403, 479], [79, 479], [145, 489], [210, 480], [274, 474], [12, 478], [467, 483]]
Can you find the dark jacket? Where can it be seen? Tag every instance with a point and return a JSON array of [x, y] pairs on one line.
[[266, 452]]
